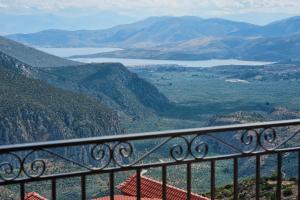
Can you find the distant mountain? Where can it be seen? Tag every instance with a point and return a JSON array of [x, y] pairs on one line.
[[112, 84], [31, 110], [156, 31], [152, 31], [286, 27], [31, 56], [256, 48]]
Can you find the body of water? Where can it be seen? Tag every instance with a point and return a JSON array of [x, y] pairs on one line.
[[198, 63], [67, 52]]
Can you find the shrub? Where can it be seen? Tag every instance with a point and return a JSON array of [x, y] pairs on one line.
[[287, 192]]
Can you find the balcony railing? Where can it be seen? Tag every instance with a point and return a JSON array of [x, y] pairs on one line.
[[23, 164]]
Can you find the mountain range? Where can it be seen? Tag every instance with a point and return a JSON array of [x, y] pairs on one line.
[[274, 49], [156, 31], [182, 38]]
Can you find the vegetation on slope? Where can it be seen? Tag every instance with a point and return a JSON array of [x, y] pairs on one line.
[[31, 110], [112, 84], [268, 189]]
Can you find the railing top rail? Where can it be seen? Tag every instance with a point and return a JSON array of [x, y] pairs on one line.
[[148, 135]]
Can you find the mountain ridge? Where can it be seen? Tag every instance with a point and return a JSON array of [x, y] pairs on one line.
[[31, 56], [158, 30]]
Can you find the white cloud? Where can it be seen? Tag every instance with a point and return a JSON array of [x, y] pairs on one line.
[[159, 7], [3, 5]]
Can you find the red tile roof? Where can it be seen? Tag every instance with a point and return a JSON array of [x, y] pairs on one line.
[[34, 196], [153, 189], [124, 197]]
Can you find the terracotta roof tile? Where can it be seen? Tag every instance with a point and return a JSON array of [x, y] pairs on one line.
[[34, 196], [124, 197], [153, 189]]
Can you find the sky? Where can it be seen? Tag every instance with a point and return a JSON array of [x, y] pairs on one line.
[[34, 15]]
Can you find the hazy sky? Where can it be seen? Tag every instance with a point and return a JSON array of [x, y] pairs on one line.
[[122, 11], [155, 7]]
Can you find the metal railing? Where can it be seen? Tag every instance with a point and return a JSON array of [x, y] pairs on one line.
[[22, 164]]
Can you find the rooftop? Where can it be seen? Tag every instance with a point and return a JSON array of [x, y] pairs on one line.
[[34, 196], [151, 189]]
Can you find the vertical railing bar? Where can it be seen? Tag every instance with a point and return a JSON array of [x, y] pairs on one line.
[[112, 185], [279, 176], [189, 180], [298, 175], [22, 191], [257, 178], [212, 179], [83, 187], [53, 189], [138, 184], [164, 182], [235, 178]]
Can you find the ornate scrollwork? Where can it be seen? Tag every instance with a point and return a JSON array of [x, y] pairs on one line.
[[34, 168], [267, 139], [198, 148], [179, 151], [102, 154], [11, 170], [123, 154], [249, 140]]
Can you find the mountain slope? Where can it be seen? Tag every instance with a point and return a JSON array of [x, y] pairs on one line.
[[152, 31], [112, 84], [31, 56], [35, 111]]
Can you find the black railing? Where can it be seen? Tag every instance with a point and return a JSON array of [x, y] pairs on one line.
[[23, 164]]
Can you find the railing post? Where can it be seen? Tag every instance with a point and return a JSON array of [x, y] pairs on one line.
[[298, 175], [83, 187], [22, 191], [112, 186], [212, 179], [257, 177], [189, 180], [53, 189], [279, 176], [164, 182], [138, 184], [235, 178]]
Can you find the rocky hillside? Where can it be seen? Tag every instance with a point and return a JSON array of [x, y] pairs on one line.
[[112, 84], [31, 110], [13, 64]]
